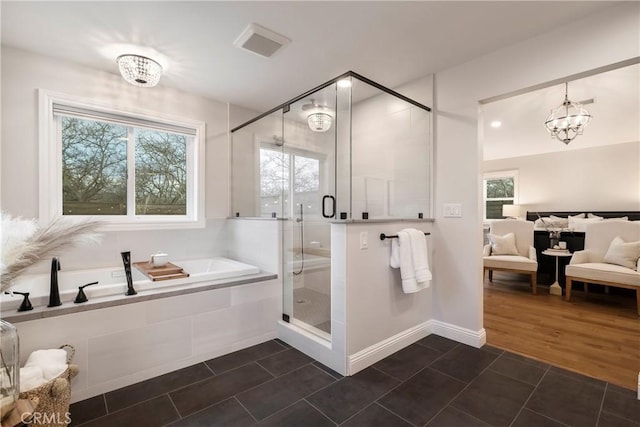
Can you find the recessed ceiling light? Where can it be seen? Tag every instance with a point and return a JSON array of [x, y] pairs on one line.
[[496, 124], [344, 82]]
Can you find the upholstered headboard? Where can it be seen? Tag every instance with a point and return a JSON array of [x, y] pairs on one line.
[[632, 215]]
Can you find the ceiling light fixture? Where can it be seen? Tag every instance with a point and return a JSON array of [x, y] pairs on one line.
[[568, 120], [139, 70], [319, 117], [496, 124]]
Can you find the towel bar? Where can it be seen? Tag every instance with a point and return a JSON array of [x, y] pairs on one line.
[[384, 236]]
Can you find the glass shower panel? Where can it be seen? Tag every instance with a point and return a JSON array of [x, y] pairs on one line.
[[259, 169], [343, 148], [391, 155], [310, 150]]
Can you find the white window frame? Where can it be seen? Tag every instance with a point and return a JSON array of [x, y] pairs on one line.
[[50, 166], [513, 173]]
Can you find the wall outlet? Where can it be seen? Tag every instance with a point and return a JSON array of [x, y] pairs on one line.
[[364, 240], [452, 210]]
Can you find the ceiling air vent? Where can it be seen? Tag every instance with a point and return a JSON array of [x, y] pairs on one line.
[[260, 40]]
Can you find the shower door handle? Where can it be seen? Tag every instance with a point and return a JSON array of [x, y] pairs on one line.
[[333, 206]]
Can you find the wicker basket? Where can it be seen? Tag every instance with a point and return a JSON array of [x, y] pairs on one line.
[[54, 396]]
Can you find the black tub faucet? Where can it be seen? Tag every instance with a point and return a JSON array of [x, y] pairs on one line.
[[54, 292]]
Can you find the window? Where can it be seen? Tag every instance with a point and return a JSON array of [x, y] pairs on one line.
[[279, 180], [130, 170], [500, 188]]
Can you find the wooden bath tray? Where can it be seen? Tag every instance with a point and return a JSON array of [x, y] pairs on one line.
[[167, 272]]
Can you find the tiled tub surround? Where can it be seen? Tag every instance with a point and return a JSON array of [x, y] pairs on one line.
[[433, 382], [124, 344]]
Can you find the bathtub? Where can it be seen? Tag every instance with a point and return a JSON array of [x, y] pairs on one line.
[[112, 281]]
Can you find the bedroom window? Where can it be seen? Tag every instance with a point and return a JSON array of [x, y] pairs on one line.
[[500, 188], [129, 170]]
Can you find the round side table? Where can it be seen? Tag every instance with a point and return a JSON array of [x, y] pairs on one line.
[[555, 288]]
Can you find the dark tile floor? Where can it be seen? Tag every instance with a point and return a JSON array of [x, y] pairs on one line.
[[434, 382]]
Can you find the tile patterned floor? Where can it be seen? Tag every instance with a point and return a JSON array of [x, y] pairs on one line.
[[434, 382]]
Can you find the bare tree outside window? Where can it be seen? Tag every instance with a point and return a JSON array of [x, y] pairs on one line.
[[94, 170], [274, 178], [94, 167], [161, 173], [275, 184]]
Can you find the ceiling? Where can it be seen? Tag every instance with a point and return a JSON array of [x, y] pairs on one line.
[[389, 42], [615, 115]]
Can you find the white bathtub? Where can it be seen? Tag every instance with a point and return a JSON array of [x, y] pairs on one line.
[[112, 281]]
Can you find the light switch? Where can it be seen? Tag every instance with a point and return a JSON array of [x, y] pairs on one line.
[[364, 240], [452, 210]]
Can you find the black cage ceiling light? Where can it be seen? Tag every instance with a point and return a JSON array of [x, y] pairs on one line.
[[568, 120], [139, 70]]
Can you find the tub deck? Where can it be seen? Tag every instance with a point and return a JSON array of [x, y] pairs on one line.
[[205, 274]]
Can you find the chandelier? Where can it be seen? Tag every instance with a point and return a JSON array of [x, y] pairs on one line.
[[568, 120], [319, 118], [139, 70]]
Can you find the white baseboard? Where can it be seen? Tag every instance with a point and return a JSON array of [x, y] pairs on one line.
[[379, 351], [463, 335]]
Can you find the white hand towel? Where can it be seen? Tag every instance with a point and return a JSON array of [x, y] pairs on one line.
[[420, 256], [53, 362], [31, 377]]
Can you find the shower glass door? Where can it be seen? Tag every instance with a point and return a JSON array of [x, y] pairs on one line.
[[309, 204]]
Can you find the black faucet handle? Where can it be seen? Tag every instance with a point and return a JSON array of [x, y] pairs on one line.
[[82, 297], [26, 304]]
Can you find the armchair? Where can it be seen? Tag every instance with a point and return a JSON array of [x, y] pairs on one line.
[[511, 249], [601, 263]]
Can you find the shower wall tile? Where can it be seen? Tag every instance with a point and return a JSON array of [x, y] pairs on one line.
[[338, 272], [187, 305], [128, 352], [255, 242]]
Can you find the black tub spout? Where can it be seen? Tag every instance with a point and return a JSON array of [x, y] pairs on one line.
[[54, 292]]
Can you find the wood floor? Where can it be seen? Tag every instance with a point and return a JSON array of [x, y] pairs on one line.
[[595, 334]]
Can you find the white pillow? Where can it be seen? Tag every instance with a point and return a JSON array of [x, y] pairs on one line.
[[579, 216], [503, 245], [622, 218], [624, 254], [559, 222], [580, 224], [590, 215]]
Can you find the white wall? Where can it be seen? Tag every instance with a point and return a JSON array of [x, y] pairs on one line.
[[23, 73], [605, 178], [377, 308], [607, 37]]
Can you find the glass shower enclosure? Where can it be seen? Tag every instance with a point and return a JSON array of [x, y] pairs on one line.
[[346, 150]]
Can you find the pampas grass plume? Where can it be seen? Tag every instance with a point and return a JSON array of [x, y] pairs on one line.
[[24, 243]]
